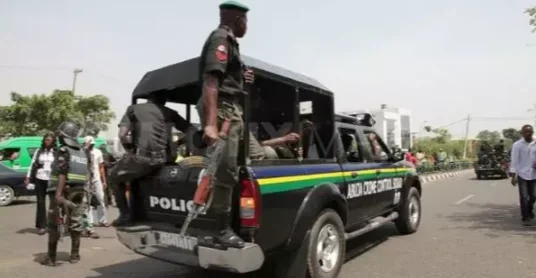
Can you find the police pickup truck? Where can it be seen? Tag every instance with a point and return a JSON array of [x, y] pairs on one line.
[[295, 213]]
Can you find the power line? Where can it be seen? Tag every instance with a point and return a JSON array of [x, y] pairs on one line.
[[451, 124], [13, 67]]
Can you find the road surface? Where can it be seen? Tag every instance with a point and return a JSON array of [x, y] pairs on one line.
[[470, 228]]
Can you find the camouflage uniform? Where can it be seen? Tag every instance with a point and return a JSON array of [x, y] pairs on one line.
[[72, 163]]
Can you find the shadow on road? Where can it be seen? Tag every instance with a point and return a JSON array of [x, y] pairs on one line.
[[146, 267], [61, 257], [27, 231], [491, 218], [20, 202], [497, 178]]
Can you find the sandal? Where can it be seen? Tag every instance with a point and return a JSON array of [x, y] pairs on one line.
[[91, 234]]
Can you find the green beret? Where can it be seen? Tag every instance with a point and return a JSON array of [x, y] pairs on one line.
[[233, 5]]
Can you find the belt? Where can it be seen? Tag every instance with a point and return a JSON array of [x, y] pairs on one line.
[[151, 154]]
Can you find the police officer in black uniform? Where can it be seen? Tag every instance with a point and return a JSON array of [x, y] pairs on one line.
[[66, 192], [145, 131], [223, 75]]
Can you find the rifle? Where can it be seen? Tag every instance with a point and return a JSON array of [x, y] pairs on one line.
[[202, 198], [63, 217]]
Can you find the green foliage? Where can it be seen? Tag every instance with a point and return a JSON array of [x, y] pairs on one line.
[[511, 133], [441, 141], [442, 135], [531, 12], [491, 137], [38, 113]]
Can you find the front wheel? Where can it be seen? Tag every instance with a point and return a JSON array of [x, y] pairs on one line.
[[7, 195], [327, 246], [410, 213]]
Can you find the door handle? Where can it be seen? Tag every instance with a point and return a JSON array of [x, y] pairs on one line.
[[353, 174]]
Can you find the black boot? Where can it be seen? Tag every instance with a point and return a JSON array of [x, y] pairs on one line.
[[50, 258], [227, 236]]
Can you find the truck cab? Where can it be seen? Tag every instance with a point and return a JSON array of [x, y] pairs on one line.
[[295, 212]]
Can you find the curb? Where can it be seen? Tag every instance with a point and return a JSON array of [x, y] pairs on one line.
[[439, 176]]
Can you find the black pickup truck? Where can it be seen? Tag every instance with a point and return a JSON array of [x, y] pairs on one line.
[[296, 212]]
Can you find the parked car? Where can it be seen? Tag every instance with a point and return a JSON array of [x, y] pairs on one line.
[[12, 185]]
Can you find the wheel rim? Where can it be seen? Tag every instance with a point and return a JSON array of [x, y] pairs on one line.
[[328, 248], [5, 195], [414, 211]]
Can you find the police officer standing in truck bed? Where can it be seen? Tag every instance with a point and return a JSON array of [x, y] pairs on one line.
[[223, 74], [68, 169]]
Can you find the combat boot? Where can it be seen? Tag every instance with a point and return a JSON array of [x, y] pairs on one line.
[[227, 237], [75, 247], [50, 258]]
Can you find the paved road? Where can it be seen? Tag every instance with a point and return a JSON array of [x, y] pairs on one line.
[[470, 228]]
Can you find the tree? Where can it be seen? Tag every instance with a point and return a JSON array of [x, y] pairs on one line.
[[511, 133], [442, 135], [491, 137], [531, 12], [38, 113]]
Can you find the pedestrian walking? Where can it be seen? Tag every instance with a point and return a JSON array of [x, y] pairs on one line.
[[96, 184], [523, 173], [39, 175], [109, 161]]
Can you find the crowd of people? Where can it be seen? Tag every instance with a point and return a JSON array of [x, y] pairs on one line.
[[422, 160], [40, 174]]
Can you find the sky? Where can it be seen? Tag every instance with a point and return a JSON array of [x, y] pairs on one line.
[[442, 60]]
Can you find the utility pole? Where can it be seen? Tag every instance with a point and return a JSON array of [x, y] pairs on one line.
[[75, 74], [421, 128], [466, 136], [533, 109]]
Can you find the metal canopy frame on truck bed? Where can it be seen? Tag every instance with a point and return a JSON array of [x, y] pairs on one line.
[[180, 82], [185, 75]]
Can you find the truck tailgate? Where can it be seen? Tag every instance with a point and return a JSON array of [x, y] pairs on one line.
[[167, 197]]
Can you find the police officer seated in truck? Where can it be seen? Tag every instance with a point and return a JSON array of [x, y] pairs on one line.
[[150, 147], [348, 143]]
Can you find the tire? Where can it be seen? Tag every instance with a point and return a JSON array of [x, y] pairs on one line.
[[7, 195], [410, 213], [328, 223]]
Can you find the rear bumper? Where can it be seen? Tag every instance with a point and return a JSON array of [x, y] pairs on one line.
[[491, 171], [146, 241]]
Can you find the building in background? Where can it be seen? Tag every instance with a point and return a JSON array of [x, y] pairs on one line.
[[393, 124]]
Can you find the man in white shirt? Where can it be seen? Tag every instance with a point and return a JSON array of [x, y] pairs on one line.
[[523, 173], [97, 182]]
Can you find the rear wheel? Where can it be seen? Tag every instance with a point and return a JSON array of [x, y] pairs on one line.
[[327, 246], [410, 213], [7, 195]]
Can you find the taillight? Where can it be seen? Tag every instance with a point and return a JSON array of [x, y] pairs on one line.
[[250, 204]]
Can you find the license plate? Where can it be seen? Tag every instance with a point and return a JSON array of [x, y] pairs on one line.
[[175, 240]]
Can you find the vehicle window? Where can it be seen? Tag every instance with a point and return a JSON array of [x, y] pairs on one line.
[[10, 153], [350, 144], [32, 151], [378, 149]]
